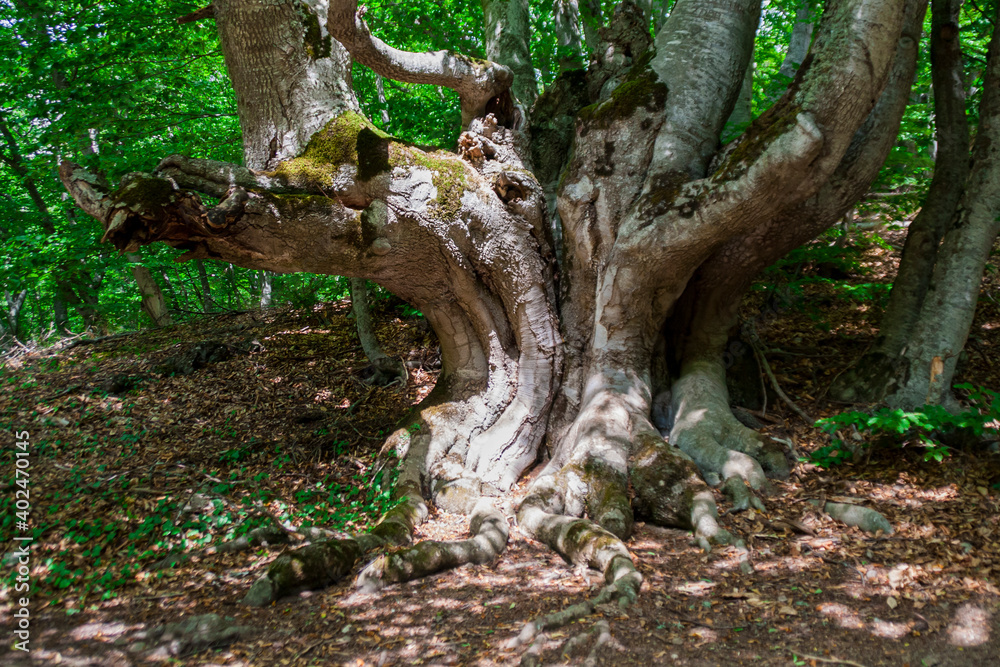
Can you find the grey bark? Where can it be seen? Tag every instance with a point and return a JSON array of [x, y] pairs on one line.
[[266, 288], [12, 312], [875, 375], [591, 20], [708, 312], [948, 308], [386, 369], [508, 38], [289, 76], [742, 113], [568, 34], [798, 43], [152, 297], [207, 303]]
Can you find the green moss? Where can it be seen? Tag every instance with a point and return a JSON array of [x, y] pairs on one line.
[[664, 191], [447, 174], [144, 192], [347, 139], [641, 88], [761, 133], [352, 139]]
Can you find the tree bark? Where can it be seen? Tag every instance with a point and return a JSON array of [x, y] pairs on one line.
[[508, 38], [13, 311], [568, 37], [207, 303], [942, 326], [266, 286], [875, 375], [387, 370], [798, 43], [152, 297]]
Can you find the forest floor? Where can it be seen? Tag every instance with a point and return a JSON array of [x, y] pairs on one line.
[[127, 465]]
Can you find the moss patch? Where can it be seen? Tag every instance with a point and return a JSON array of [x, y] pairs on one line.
[[641, 88], [447, 174], [347, 139]]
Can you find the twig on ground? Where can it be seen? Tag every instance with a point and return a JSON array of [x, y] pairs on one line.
[[817, 658], [777, 387]]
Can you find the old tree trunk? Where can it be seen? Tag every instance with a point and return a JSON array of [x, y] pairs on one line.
[[579, 261]]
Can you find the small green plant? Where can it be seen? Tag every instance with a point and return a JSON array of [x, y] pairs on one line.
[[924, 427]]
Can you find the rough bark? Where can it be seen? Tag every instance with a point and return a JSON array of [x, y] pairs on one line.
[[875, 375], [928, 363], [207, 303], [289, 76], [700, 327]]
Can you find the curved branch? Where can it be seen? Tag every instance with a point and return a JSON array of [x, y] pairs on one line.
[[476, 81]]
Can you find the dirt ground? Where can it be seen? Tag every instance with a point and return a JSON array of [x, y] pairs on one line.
[[290, 408]]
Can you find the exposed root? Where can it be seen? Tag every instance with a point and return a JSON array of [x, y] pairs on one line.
[[582, 542], [489, 539], [864, 518], [741, 496], [706, 430], [670, 492], [323, 563]]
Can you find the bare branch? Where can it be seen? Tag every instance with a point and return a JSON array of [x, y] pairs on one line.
[[476, 81]]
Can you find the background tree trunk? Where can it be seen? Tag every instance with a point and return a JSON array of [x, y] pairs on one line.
[[942, 326], [152, 297]]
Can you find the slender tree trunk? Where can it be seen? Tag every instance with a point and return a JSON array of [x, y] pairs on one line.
[[13, 311], [153, 303], [798, 44], [266, 286], [942, 326], [207, 303], [386, 369], [380, 88], [568, 37], [743, 111], [875, 375]]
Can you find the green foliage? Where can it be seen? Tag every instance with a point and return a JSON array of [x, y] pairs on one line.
[[925, 428]]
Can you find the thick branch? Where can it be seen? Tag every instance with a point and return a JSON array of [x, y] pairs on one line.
[[475, 81], [203, 13]]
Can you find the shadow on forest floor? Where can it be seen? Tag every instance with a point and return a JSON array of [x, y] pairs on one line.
[[128, 466]]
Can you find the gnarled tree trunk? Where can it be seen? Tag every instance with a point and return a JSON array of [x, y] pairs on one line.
[[660, 229]]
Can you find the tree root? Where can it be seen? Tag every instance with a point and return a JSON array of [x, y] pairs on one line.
[[741, 496], [864, 518], [489, 539], [670, 492], [323, 563]]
